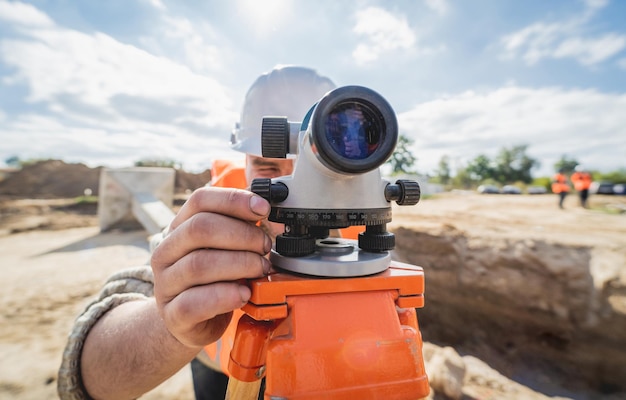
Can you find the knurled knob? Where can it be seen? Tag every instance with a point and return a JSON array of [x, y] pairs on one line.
[[275, 137], [295, 246], [377, 242], [410, 192], [262, 187], [272, 192]]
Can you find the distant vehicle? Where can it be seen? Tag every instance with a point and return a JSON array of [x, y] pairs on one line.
[[488, 189], [602, 188], [536, 190], [510, 189], [620, 189]]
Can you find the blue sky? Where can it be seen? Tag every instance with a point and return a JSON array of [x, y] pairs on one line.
[[111, 82]]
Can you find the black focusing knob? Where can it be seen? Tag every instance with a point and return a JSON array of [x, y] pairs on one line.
[[405, 192], [275, 137], [272, 192], [262, 187]]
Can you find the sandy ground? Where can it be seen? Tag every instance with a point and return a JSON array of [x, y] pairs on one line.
[[50, 271], [48, 278]]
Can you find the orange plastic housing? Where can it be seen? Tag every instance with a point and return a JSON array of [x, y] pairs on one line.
[[334, 338]]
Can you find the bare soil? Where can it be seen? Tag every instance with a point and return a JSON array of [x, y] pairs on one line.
[[533, 297]]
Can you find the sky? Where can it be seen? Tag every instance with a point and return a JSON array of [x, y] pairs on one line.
[[113, 82]]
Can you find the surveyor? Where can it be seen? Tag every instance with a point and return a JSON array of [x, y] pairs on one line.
[[560, 186], [581, 179], [149, 322]]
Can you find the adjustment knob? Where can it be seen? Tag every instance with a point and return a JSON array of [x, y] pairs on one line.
[[262, 187], [376, 239], [272, 192], [405, 192], [295, 246], [275, 137]]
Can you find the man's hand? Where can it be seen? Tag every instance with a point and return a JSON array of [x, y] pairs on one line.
[[212, 244]]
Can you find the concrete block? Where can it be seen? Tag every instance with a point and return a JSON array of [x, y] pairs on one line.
[[144, 194]]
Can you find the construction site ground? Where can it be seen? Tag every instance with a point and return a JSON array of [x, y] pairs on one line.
[[531, 296]]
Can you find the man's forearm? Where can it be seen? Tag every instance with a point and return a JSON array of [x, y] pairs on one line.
[[130, 351]]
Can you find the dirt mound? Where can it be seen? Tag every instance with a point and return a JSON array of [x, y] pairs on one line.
[[57, 179], [51, 179], [187, 181]]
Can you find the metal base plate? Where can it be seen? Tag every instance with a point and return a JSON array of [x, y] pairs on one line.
[[335, 258]]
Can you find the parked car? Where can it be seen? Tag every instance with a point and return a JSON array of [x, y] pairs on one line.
[[537, 190], [510, 189], [488, 189], [620, 189], [601, 188]]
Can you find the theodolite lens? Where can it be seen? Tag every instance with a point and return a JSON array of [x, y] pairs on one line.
[[354, 130]]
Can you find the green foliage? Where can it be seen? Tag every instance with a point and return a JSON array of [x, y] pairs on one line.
[[510, 165], [158, 162], [13, 161], [544, 181], [462, 179], [480, 168], [86, 199], [566, 164], [443, 173], [402, 160], [617, 176], [513, 165], [17, 162]]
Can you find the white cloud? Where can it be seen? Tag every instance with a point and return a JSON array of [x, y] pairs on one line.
[[36, 136], [157, 4], [23, 15], [383, 32], [596, 4], [441, 7], [584, 124], [93, 90], [195, 41], [591, 51], [97, 69], [566, 39]]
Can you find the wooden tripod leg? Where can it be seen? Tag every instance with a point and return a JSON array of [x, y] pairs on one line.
[[240, 390]]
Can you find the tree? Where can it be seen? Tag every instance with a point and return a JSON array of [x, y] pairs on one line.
[[442, 174], [13, 161], [480, 168], [402, 160], [462, 179], [513, 165], [566, 164], [158, 162]]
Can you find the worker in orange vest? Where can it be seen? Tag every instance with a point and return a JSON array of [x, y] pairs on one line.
[[560, 186], [581, 180]]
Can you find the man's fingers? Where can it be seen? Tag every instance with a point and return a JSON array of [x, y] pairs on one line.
[[213, 231], [195, 312], [206, 266], [236, 203]]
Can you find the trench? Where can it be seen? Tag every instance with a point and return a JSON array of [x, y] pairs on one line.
[[528, 308]]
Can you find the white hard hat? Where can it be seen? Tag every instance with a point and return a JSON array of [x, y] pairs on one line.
[[286, 91]]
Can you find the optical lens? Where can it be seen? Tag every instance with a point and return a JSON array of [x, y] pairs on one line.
[[352, 130]]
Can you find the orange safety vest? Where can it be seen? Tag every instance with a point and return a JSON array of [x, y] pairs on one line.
[[559, 184], [228, 174], [581, 180]]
